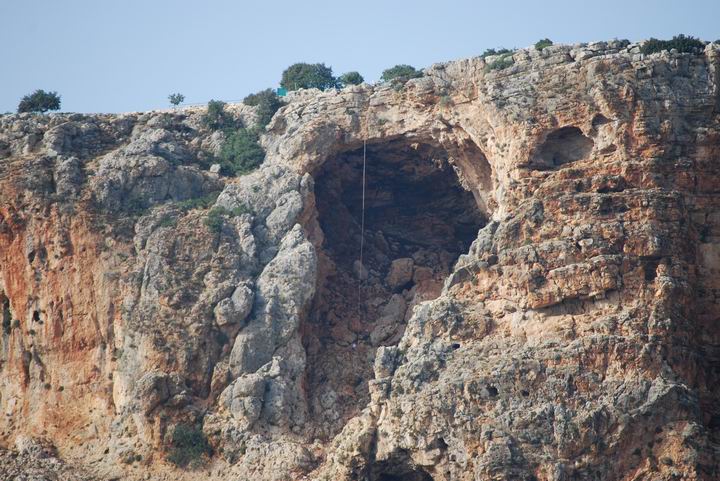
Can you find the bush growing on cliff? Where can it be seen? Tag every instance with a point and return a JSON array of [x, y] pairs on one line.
[[491, 51], [505, 61], [681, 43], [241, 152], [216, 217], [39, 101], [543, 43], [267, 103], [203, 202], [351, 78], [400, 73], [188, 447], [307, 76], [217, 118]]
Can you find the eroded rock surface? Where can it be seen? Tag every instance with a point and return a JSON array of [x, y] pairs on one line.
[[536, 297]]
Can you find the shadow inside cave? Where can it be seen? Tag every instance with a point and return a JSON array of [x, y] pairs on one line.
[[418, 220]]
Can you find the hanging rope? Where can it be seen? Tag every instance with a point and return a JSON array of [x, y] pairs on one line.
[[362, 211], [362, 230]]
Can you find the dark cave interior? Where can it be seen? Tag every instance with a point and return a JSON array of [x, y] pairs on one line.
[[418, 220]]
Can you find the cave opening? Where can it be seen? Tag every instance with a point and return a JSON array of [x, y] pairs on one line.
[[562, 146], [398, 467], [410, 476], [418, 220]]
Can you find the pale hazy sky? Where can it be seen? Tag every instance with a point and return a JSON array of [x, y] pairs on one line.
[[125, 55]]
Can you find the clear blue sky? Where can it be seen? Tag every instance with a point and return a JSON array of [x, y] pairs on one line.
[[126, 55]]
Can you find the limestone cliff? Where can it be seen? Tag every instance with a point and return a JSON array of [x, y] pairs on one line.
[[537, 297]]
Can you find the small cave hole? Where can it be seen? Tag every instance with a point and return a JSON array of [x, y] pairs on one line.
[[492, 391], [418, 475], [562, 146], [704, 233], [599, 120], [6, 314], [399, 468], [608, 150], [418, 220], [650, 266]]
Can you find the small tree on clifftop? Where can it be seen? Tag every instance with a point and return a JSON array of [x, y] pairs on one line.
[[351, 78], [39, 101], [176, 99], [681, 43], [400, 73], [307, 76], [543, 43]]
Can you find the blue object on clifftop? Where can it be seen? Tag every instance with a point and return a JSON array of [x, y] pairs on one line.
[[281, 91]]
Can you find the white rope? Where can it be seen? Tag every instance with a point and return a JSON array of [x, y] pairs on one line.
[[362, 230], [362, 212]]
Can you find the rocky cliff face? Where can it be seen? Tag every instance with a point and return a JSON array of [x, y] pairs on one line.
[[536, 299]]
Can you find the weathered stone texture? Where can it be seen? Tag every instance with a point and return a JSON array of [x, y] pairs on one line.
[[576, 337]]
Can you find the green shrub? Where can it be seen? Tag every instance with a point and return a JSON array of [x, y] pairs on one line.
[[176, 99], [217, 215], [215, 219], [203, 202], [501, 63], [267, 103], [39, 101], [400, 73], [351, 78], [240, 210], [307, 76], [541, 44], [241, 152], [623, 42], [136, 206], [491, 51], [188, 447], [167, 222], [217, 118], [681, 43]]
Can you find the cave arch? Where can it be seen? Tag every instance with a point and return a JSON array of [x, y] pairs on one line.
[[562, 146], [414, 475], [424, 205], [397, 467]]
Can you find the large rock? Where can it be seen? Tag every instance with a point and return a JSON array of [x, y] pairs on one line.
[[400, 274], [236, 308]]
